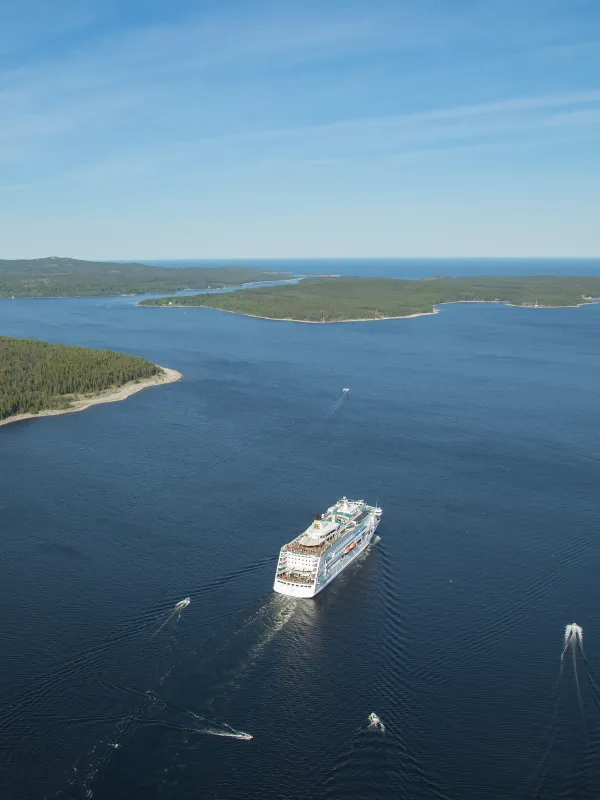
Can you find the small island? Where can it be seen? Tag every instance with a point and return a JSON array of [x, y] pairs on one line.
[[71, 277], [43, 379], [364, 299]]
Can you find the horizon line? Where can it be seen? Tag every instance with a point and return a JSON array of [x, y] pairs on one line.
[[141, 259]]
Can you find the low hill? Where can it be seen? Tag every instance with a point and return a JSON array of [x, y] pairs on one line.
[[70, 277], [344, 299]]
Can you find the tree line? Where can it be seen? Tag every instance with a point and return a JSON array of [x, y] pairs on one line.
[[35, 376], [337, 299], [71, 277]]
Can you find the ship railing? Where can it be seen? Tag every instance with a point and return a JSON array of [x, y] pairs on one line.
[[293, 577], [313, 550]]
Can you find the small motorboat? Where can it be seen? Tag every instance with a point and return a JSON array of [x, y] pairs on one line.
[[376, 723]]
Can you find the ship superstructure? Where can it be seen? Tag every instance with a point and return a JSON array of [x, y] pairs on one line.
[[333, 541]]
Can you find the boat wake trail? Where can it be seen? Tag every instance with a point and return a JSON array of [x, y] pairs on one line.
[[251, 638], [573, 637], [89, 662], [573, 640], [342, 401], [166, 715], [591, 680], [95, 659], [175, 611], [151, 712], [232, 650], [222, 729], [391, 767]]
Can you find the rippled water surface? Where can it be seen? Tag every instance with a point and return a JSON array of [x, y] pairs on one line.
[[475, 429]]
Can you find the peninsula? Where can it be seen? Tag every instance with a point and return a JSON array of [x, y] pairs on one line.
[[362, 299], [70, 277], [43, 379]]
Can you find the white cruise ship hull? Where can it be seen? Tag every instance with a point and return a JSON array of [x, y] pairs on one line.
[[303, 575]]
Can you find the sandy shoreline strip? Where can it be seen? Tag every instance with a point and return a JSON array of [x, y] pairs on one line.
[[305, 321], [107, 396]]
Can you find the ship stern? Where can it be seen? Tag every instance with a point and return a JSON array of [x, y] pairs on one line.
[[300, 590]]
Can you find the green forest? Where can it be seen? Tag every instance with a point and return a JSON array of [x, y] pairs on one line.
[[339, 299], [70, 277], [35, 376]]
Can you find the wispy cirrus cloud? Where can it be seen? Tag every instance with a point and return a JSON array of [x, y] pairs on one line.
[[510, 122], [102, 93], [138, 73], [180, 58]]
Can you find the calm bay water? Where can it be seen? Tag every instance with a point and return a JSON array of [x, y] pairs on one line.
[[475, 429]]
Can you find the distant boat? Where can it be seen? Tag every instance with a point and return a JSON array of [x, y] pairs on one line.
[[346, 390]]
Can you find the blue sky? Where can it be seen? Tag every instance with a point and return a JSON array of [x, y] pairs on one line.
[[255, 128]]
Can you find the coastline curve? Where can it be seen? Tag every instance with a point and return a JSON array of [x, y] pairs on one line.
[[436, 310], [113, 395]]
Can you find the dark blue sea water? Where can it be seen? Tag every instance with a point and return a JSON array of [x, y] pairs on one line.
[[405, 267], [475, 429]]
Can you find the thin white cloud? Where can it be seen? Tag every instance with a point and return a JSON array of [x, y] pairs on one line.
[[404, 121], [65, 115], [404, 137], [159, 66]]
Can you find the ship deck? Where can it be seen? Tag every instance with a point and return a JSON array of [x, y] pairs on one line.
[[295, 547], [293, 577], [309, 550]]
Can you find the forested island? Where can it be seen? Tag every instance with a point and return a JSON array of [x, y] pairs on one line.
[[357, 299], [70, 277], [43, 378]]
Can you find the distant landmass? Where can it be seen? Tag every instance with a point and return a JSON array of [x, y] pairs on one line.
[[357, 299], [70, 277], [39, 378]]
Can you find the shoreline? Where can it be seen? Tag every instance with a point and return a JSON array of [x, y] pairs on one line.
[[229, 287], [436, 310], [107, 396], [303, 321]]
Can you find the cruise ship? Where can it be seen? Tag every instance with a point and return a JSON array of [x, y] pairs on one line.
[[331, 543]]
